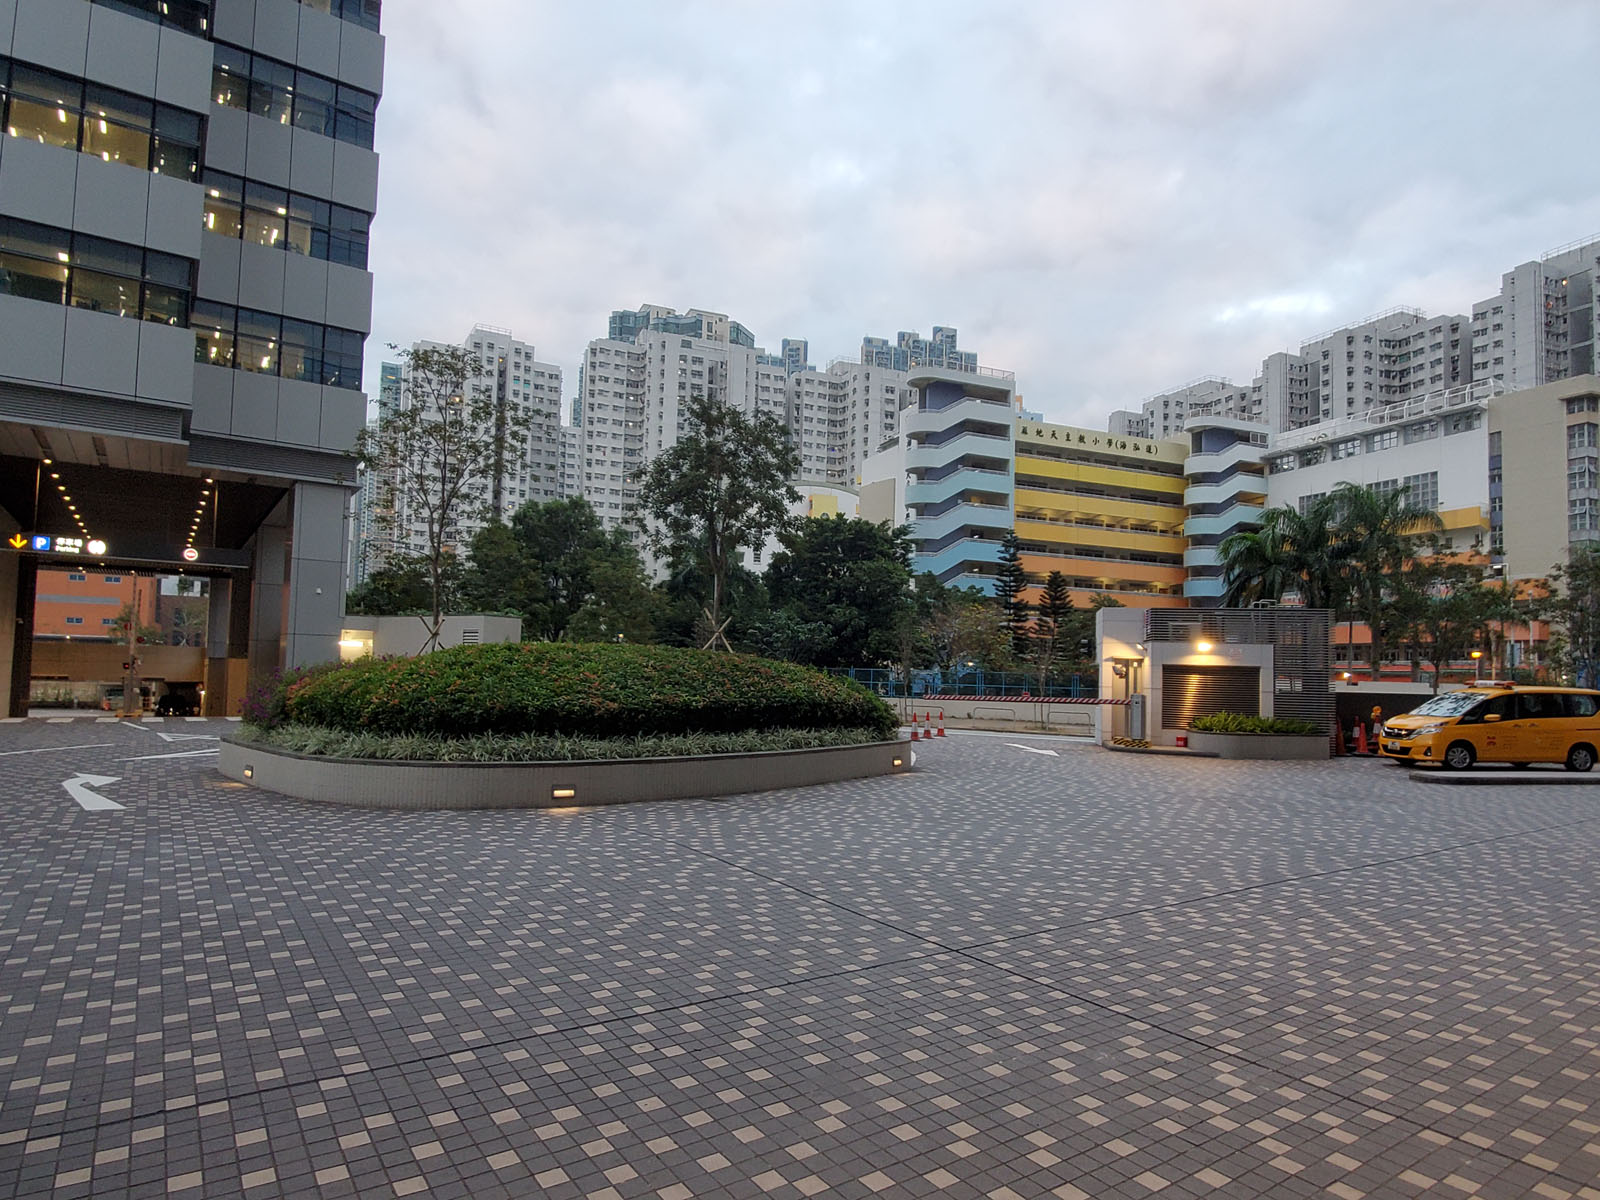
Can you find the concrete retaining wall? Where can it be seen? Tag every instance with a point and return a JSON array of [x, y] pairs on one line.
[[1258, 745], [423, 785]]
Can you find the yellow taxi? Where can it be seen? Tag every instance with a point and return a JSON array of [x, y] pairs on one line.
[[1500, 723]]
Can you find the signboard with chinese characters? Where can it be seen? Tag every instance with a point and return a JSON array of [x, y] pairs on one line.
[[1098, 440], [50, 543]]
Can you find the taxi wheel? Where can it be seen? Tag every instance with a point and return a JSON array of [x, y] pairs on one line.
[[1460, 756], [1580, 758]]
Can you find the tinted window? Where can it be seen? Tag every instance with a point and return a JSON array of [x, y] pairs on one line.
[[1501, 706], [1532, 706], [1581, 705]]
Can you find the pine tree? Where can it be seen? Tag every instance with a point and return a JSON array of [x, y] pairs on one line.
[[1008, 591]]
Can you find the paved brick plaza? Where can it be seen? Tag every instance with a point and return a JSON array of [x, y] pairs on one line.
[[1007, 974]]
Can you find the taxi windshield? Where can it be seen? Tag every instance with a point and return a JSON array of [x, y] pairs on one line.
[[1451, 704]]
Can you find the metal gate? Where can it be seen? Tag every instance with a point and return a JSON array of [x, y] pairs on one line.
[[1190, 692]]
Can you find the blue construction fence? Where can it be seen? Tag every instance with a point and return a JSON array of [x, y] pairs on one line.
[[970, 682]]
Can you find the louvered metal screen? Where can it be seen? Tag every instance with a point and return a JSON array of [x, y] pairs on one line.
[[1190, 692], [1301, 652]]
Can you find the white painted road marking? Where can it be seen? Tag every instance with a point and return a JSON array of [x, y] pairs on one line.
[[81, 788], [179, 754], [1033, 749], [53, 749]]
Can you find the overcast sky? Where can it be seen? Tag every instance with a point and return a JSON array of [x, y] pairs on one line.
[[1110, 199]]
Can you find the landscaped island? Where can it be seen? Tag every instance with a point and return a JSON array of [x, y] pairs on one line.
[[649, 722], [1237, 735]]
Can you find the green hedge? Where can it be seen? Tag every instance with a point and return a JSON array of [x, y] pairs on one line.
[[1228, 722], [578, 690]]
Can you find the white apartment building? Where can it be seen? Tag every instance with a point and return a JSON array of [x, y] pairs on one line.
[[510, 373], [1436, 446], [570, 483], [1540, 327], [635, 383], [840, 416], [1386, 358]]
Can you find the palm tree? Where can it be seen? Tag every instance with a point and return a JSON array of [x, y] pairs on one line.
[[1378, 532], [1291, 551]]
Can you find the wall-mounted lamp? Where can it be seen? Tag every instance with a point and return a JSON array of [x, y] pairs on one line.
[[899, 762], [1203, 647], [249, 772], [563, 793]]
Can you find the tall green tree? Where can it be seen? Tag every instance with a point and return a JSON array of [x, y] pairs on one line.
[[1573, 608], [972, 628], [720, 489], [497, 578], [556, 563], [401, 587], [1376, 534], [1441, 608], [1010, 582], [848, 576], [439, 456], [564, 545]]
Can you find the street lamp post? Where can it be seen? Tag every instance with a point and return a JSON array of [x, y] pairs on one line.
[[1477, 666]]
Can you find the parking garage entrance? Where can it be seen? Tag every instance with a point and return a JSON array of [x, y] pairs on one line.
[[149, 578]]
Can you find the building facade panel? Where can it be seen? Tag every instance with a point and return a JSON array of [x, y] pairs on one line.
[[166, 363], [305, 288], [317, 38], [255, 406], [311, 164], [213, 399], [175, 220], [355, 177], [349, 298], [123, 50], [101, 353], [299, 412], [183, 70], [277, 31], [52, 33], [34, 342], [261, 277], [268, 150], [111, 200], [234, 21], [37, 182]]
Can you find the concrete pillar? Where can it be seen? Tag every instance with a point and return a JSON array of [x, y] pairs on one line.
[[269, 592], [316, 574], [219, 593], [18, 583]]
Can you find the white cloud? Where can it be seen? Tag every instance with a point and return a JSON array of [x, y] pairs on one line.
[[1108, 199]]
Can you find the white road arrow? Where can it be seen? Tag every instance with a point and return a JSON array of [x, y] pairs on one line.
[[1033, 749], [81, 788]]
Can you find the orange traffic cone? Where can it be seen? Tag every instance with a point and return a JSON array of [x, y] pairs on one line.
[[1338, 740], [916, 730], [941, 724], [1361, 738]]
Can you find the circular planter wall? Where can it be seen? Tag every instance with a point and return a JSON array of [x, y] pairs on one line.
[[365, 783]]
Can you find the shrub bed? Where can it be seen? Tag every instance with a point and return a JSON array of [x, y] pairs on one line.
[[544, 748], [1227, 722], [571, 690]]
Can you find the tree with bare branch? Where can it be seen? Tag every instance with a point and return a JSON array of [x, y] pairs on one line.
[[440, 456]]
